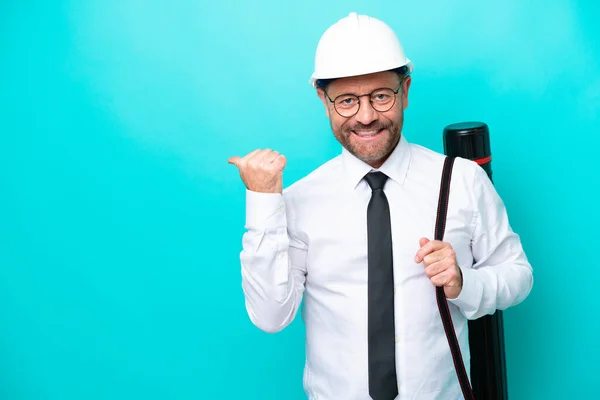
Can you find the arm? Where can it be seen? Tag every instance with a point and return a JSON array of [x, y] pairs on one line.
[[273, 262], [501, 276]]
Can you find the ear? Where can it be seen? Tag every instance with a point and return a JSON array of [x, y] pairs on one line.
[[324, 99], [406, 86]]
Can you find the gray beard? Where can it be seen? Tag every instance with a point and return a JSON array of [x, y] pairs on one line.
[[344, 133]]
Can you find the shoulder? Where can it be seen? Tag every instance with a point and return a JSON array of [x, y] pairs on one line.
[[322, 176], [430, 163]]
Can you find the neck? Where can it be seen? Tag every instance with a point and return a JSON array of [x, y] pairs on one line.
[[377, 164]]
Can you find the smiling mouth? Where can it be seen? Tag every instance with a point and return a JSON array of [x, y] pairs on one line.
[[368, 134]]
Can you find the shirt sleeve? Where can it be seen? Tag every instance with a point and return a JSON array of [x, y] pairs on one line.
[[501, 275], [273, 261]]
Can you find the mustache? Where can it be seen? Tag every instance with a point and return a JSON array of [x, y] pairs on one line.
[[375, 125]]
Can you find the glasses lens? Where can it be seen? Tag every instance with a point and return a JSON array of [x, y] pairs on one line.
[[346, 104], [383, 99]]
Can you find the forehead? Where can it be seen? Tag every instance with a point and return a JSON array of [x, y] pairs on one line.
[[364, 83]]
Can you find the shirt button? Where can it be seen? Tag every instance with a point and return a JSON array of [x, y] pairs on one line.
[[280, 255], [396, 339]]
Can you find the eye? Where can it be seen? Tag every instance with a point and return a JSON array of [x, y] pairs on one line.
[[346, 101], [382, 97]]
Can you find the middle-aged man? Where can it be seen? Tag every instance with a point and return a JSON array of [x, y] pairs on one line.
[[373, 329]]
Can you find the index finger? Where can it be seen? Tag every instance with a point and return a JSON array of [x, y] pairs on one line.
[[429, 247]]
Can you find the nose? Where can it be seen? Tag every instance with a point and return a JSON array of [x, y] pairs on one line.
[[366, 113]]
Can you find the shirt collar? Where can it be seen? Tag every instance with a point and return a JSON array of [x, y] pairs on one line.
[[395, 167]]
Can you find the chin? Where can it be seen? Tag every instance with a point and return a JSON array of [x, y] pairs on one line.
[[369, 156], [370, 159], [370, 153]]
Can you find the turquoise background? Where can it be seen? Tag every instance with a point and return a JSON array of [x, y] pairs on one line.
[[121, 221]]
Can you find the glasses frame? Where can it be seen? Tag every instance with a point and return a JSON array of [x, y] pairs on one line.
[[363, 95]]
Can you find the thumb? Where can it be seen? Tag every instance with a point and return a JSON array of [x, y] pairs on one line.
[[235, 160], [423, 241]]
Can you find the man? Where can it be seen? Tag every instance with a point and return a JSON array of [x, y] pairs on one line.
[[373, 329]]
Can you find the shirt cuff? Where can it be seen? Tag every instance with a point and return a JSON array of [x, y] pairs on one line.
[[265, 210], [472, 290]]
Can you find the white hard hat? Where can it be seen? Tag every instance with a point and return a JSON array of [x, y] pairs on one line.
[[358, 45]]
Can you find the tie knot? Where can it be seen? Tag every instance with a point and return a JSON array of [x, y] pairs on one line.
[[376, 180]]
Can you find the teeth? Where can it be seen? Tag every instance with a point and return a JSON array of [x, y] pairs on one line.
[[366, 133]]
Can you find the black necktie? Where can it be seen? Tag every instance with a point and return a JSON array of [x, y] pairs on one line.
[[382, 360]]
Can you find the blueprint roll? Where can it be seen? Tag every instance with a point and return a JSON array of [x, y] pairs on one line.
[[471, 140]]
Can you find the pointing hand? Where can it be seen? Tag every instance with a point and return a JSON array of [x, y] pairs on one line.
[[261, 170]]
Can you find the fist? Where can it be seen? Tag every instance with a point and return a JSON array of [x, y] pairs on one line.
[[261, 170], [440, 266]]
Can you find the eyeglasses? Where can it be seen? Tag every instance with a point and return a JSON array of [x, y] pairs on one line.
[[382, 100]]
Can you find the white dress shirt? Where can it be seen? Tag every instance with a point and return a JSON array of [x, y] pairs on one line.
[[310, 245]]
